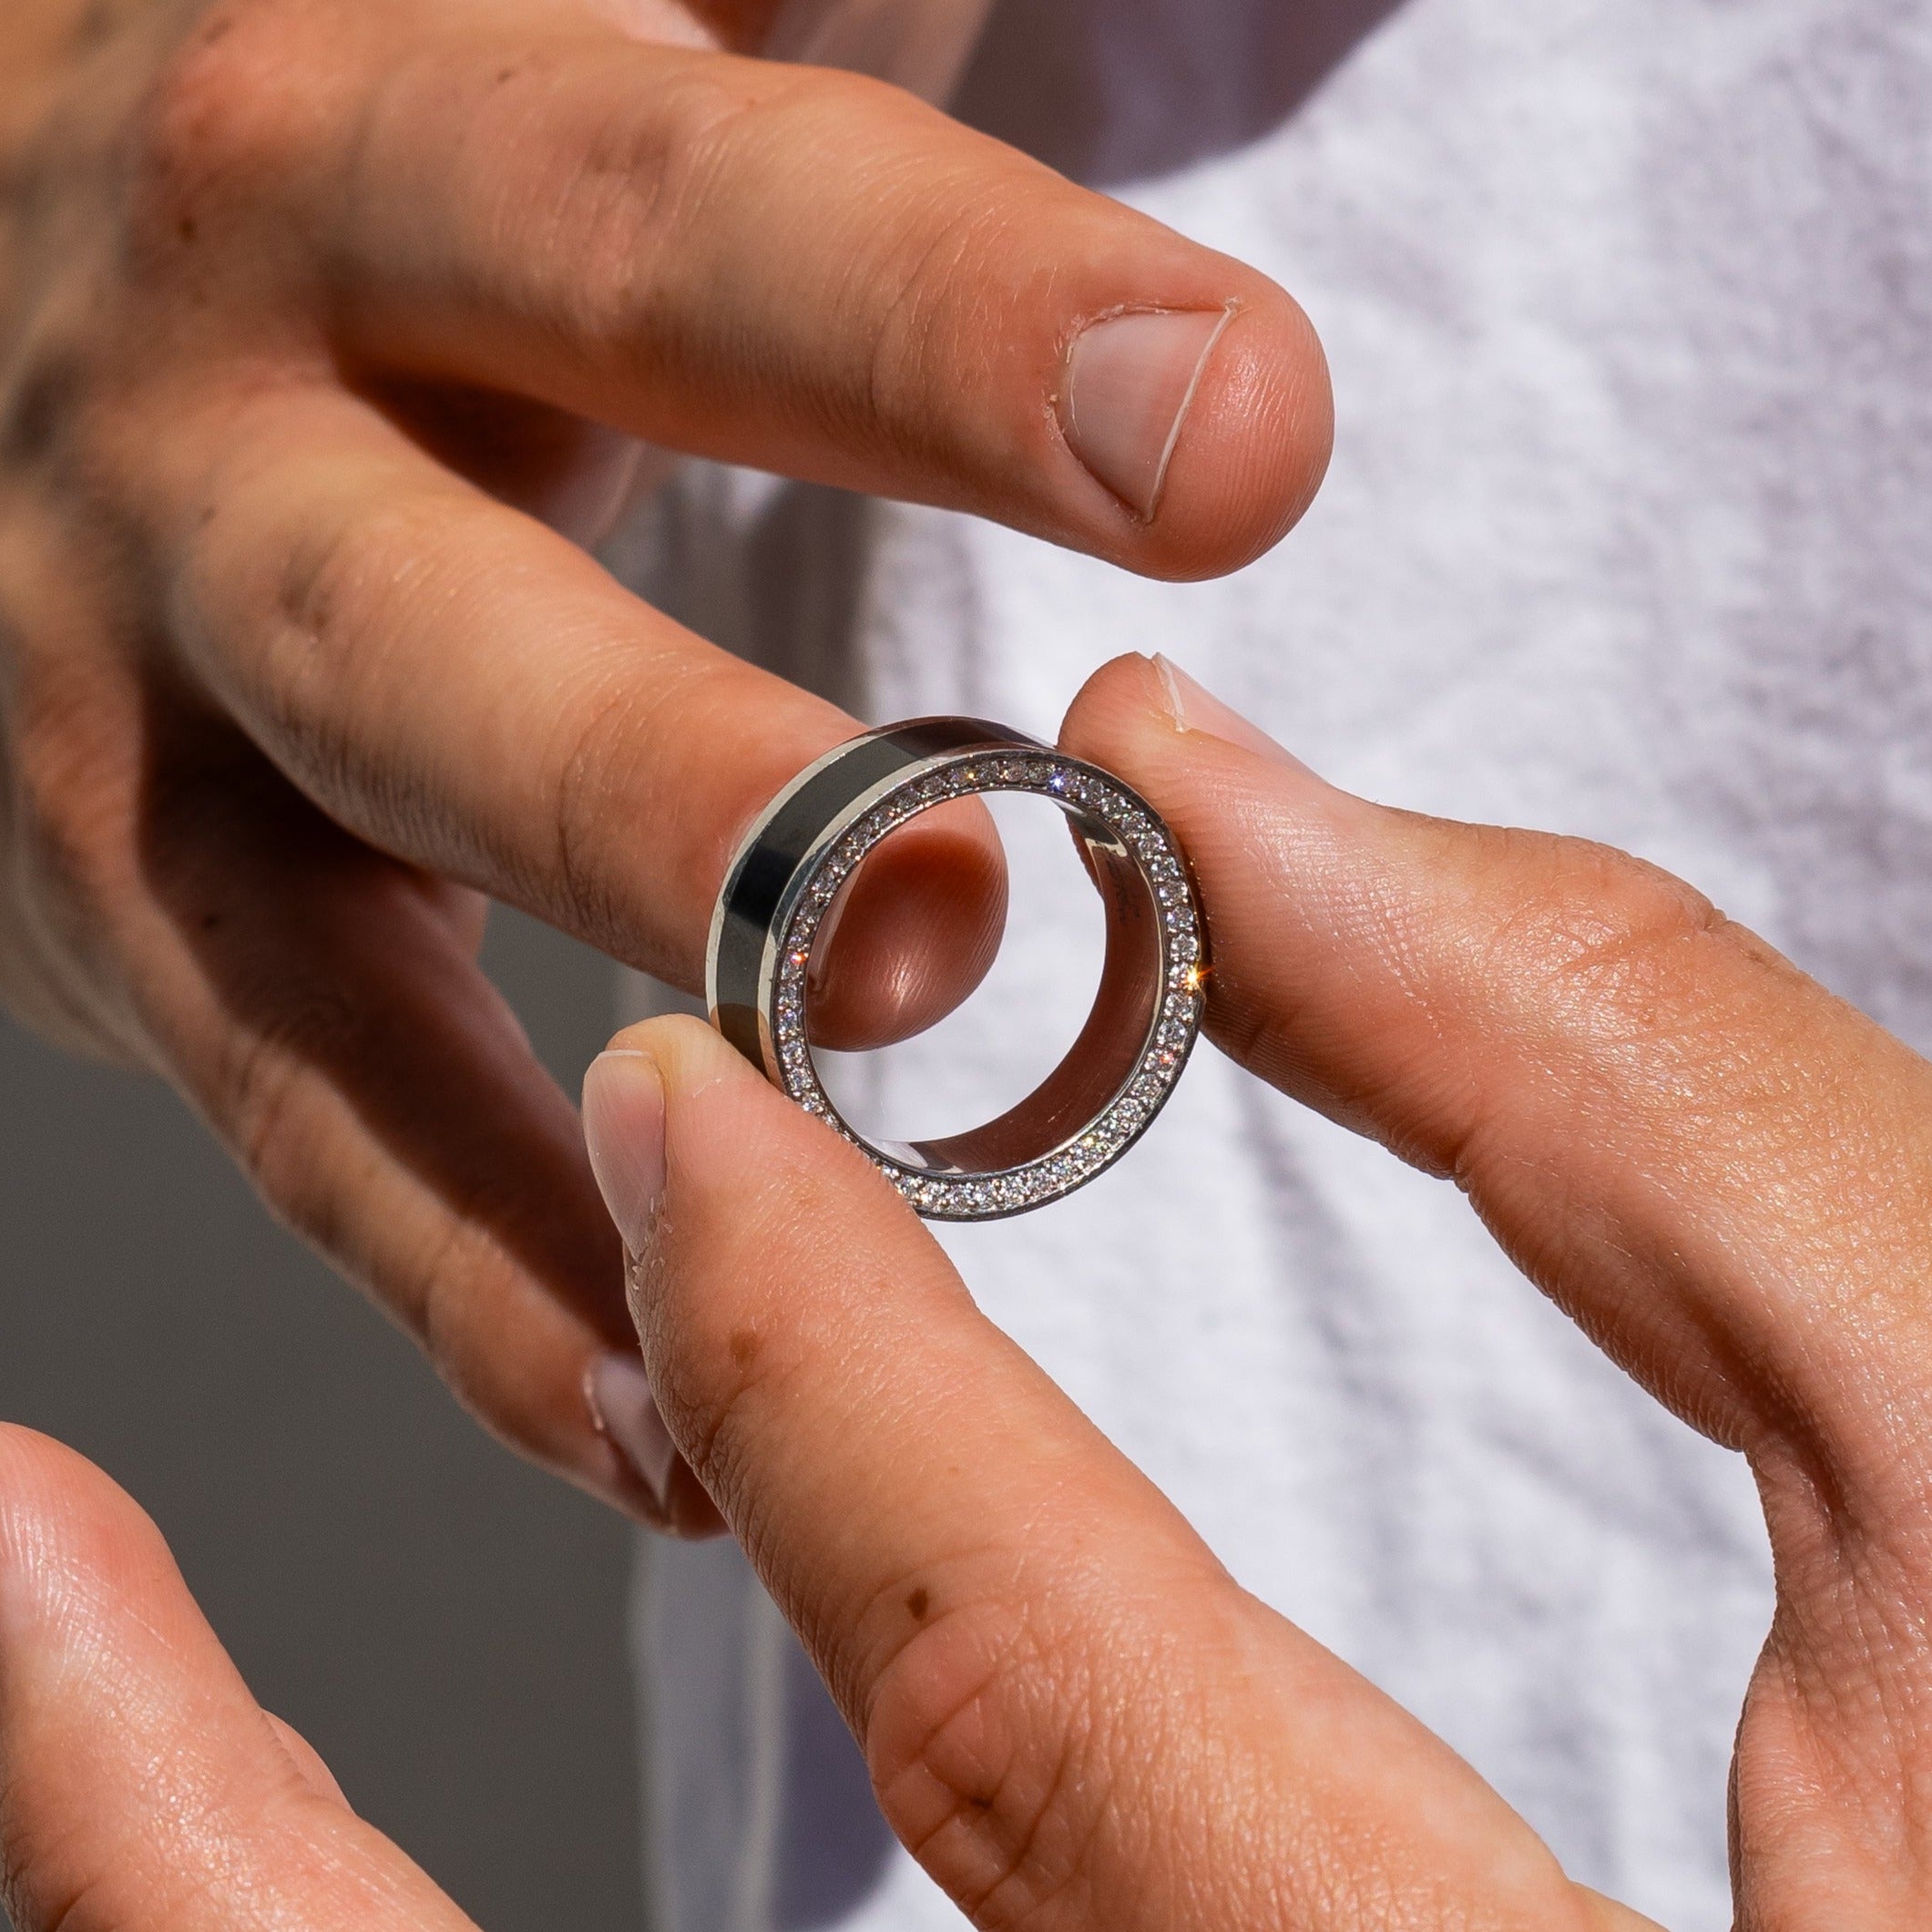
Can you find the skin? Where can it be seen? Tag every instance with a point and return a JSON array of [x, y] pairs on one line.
[[1073, 1717], [331, 331]]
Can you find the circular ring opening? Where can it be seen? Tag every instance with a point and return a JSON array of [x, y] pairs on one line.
[[1104, 1093]]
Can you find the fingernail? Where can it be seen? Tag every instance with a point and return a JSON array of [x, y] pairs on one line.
[[624, 1131], [1131, 382], [1195, 709], [626, 1417]]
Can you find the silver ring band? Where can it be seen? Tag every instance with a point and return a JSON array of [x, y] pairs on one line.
[[1146, 1018]]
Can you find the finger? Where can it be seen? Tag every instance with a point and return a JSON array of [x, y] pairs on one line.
[[461, 687], [322, 1007], [1072, 1715], [1721, 1169], [817, 274], [143, 1789]]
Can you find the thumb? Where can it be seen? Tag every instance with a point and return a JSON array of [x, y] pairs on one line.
[[143, 1789], [1715, 1166], [1723, 1172], [1073, 1717]]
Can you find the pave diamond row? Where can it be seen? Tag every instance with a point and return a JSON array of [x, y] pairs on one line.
[[1081, 788]]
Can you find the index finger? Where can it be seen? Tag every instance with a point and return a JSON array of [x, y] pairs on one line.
[[462, 688], [805, 271]]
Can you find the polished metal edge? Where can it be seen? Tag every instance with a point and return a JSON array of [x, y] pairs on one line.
[[792, 861]]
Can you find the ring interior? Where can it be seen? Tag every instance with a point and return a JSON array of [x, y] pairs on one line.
[[1102, 1061]]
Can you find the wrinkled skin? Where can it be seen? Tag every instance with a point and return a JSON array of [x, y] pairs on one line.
[[1074, 1717], [330, 330], [1072, 1714]]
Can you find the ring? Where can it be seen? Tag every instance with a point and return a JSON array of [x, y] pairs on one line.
[[1146, 1016]]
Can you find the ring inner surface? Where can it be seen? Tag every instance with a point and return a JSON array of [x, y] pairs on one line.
[[1103, 1058]]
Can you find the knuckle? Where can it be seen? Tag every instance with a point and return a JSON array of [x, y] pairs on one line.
[[639, 176], [595, 744], [332, 624], [980, 1759], [43, 406], [233, 109], [325, 591], [346, 614], [640, 182], [281, 1113], [1530, 973], [950, 254], [1608, 943], [201, 114], [436, 1296], [73, 810]]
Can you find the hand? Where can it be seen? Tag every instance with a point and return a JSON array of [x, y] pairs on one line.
[[143, 1789], [1073, 1717], [325, 326]]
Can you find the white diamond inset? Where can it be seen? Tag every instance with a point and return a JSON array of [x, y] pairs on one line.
[[1093, 794]]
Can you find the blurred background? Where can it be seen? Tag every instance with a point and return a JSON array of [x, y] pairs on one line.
[[444, 1623]]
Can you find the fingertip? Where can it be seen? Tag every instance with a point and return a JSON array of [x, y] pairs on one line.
[[62, 1518], [114, 1693], [742, 1154], [1156, 724], [682, 1051], [1119, 704], [1206, 417], [746, 1170], [1254, 447], [737, 1152], [710, 1131], [1124, 720], [663, 1491], [919, 926], [1144, 399], [29, 1459], [31, 1463], [1280, 857]]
